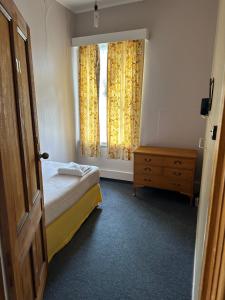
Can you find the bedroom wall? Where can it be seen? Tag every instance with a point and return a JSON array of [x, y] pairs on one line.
[[51, 32], [177, 68]]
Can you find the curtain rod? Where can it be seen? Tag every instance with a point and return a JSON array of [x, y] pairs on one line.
[[137, 34]]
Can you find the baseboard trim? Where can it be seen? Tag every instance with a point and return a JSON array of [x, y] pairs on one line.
[[128, 176], [113, 174]]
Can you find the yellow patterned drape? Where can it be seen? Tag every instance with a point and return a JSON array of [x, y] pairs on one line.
[[88, 95], [125, 76]]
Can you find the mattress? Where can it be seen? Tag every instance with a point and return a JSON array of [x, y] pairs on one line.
[[63, 191]]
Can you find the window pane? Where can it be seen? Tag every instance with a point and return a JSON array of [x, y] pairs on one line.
[[103, 93]]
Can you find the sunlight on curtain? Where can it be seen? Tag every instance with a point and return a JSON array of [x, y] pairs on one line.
[[88, 95], [125, 76]]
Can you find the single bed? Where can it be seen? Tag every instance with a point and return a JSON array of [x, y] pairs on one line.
[[68, 202]]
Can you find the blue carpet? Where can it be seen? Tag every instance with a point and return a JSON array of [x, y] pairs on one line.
[[130, 248]]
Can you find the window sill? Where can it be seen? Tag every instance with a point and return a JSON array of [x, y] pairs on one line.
[[103, 146]]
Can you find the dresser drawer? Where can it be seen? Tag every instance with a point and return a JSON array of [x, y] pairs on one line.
[[179, 163], [164, 183], [179, 186], [151, 160], [148, 180], [148, 170], [178, 174]]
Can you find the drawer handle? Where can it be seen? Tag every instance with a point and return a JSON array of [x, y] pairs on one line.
[[148, 159], [148, 169], [177, 162], [148, 180], [177, 184], [177, 173]]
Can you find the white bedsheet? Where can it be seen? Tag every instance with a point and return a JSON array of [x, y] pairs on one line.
[[62, 191]]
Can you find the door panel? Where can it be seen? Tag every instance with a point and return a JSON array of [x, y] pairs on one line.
[[38, 242], [39, 256], [27, 282], [26, 118], [10, 148], [21, 205]]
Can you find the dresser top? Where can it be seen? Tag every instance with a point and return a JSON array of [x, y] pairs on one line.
[[177, 152]]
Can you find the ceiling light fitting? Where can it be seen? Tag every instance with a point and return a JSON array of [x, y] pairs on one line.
[[96, 15]]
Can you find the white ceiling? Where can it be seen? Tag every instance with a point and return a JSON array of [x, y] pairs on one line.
[[79, 6]]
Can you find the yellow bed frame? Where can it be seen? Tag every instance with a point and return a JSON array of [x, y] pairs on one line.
[[62, 229]]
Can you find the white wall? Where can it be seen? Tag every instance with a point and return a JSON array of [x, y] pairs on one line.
[[51, 33], [177, 70], [211, 147]]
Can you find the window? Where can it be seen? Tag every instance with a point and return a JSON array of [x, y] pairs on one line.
[[103, 48], [110, 92]]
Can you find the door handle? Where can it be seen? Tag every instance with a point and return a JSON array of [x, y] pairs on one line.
[[43, 155], [177, 173]]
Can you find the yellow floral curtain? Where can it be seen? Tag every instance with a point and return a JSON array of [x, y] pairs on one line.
[[88, 96], [125, 76]]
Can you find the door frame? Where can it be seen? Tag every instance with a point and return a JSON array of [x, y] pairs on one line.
[[212, 286]]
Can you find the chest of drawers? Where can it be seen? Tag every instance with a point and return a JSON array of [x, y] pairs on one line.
[[165, 168]]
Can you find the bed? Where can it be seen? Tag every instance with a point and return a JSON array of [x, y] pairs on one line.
[[68, 202]]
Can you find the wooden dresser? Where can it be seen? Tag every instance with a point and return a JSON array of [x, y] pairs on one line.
[[165, 168]]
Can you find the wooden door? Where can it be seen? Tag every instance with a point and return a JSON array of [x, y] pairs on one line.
[[21, 206]]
